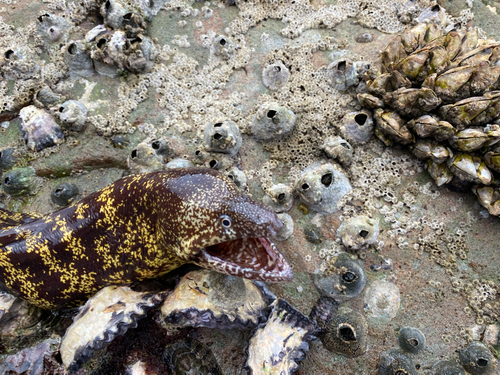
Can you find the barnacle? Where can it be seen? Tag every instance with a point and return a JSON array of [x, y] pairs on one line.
[[238, 176], [145, 159], [224, 137], [19, 181], [358, 232], [7, 159], [287, 230], [272, 121], [76, 55], [211, 299], [110, 313], [342, 330], [275, 75], [321, 186], [342, 280], [279, 198], [393, 362], [357, 127], [73, 114], [64, 194], [39, 128], [411, 340], [477, 359], [338, 148]]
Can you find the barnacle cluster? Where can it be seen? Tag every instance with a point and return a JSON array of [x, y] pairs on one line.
[[434, 90]]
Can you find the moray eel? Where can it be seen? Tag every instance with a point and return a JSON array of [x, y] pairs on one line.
[[137, 228]]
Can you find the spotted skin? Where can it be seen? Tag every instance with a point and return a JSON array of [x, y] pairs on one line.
[[137, 228]]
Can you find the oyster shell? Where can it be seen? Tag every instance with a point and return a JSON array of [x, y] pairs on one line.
[[207, 298], [110, 313], [277, 347]]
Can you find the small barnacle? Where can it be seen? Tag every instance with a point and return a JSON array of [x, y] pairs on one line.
[[272, 121], [342, 280], [342, 330], [64, 194], [189, 356], [52, 27], [110, 313], [393, 362], [207, 298], [447, 368], [281, 343], [223, 137], [78, 60], [358, 232], [223, 47], [279, 197], [7, 159], [161, 147], [364, 38], [357, 127], [321, 186], [391, 127], [370, 101], [144, 159], [287, 230], [430, 126], [411, 340], [342, 74], [239, 178], [73, 114], [274, 76], [338, 148], [120, 141], [428, 148], [179, 163], [19, 181], [313, 234], [477, 359]]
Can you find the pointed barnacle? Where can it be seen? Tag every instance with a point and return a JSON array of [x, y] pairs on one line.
[[390, 56], [370, 101], [414, 102], [272, 121], [274, 76], [411, 340], [358, 232], [449, 85], [342, 330], [491, 159], [412, 65], [144, 159], [39, 128], [279, 198], [278, 346], [7, 159], [477, 359], [412, 39], [439, 172], [321, 186], [79, 62], [393, 362], [392, 126], [428, 148], [223, 136], [190, 356], [208, 298], [342, 280], [470, 168], [387, 83], [110, 313], [357, 127], [447, 368], [471, 139], [52, 27], [73, 115], [342, 74], [239, 178], [429, 126], [223, 47], [287, 230], [338, 148], [64, 194], [486, 195]]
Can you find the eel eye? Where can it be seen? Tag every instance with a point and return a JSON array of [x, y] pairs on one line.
[[226, 221]]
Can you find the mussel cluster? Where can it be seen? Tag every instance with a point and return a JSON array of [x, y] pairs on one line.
[[436, 90]]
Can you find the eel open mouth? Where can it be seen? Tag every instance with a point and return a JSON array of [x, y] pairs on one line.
[[251, 258]]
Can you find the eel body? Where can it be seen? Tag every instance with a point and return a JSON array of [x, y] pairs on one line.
[[139, 227]]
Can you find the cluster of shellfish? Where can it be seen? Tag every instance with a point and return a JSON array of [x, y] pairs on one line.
[[437, 91]]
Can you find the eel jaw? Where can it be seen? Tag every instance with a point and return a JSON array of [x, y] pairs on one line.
[[251, 258]]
